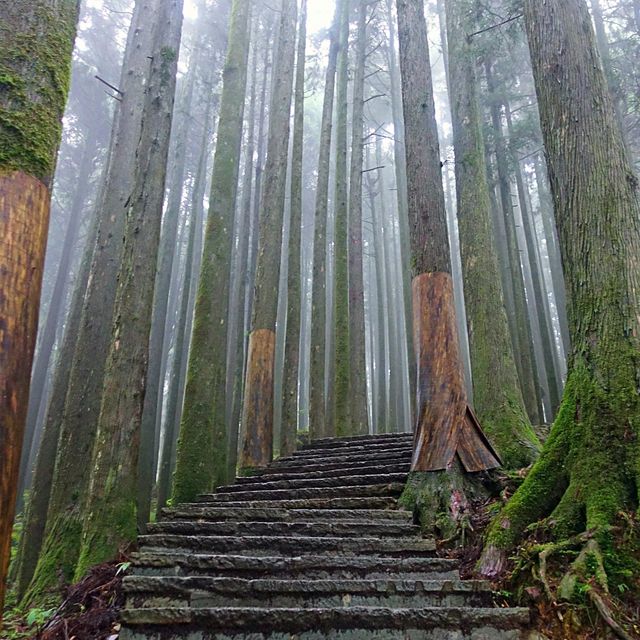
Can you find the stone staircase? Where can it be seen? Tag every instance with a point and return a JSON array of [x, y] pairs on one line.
[[314, 547]]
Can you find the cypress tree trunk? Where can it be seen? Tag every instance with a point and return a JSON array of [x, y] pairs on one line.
[[110, 513], [60, 548], [338, 406], [201, 462], [588, 470], [358, 421], [35, 62], [446, 429], [497, 396], [292, 348], [517, 316], [318, 424], [257, 416]]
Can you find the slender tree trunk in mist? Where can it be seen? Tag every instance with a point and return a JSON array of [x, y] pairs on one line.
[[446, 430], [61, 545], [202, 455], [513, 287], [358, 420], [597, 207], [318, 425], [257, 415], [168, 243], [237, 333], [497, 396], [110, 518], [290, 411], [184, 319], [31, 105], [338, 405]]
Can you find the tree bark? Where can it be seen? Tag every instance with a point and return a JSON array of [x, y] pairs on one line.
[[257, 420], [201, 462], [35, 64], [588, 471], [318, 426], [497, 396], [289, 431]]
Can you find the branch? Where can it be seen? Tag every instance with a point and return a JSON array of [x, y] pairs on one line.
[[383, 166], [495, 26], [378, 95], [109, 85]]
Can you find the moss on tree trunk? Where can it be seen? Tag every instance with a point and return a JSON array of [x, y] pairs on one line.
[[588, 471]]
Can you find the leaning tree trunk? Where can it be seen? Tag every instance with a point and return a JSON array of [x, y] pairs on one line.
[[446, 429], [110, 519], [257, 415], [588, 472], [201, 462], [358, 420], [289, 431], [317, 398], [35, 64], [497, 396]]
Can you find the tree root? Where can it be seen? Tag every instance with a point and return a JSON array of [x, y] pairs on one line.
[[607, 615]]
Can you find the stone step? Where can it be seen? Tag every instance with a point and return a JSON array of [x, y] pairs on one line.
[[207, 591], [294, 473], [294, 567], [375, 502], [356, 451], [209, 513], [337, 480], [342, 528], [300, 465], [355, 623], [362, 491], [289, 545], [329, 443]]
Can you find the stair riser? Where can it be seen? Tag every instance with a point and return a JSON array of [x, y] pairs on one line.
[[212, 514], [347, 529], [325, 443], [304, 474], [485, 633], [300, 466], [265, 546], [203, 600], [366, 491], [383, 502], [313, 483], [355, 452]]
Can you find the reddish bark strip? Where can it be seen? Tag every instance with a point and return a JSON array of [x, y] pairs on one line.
[[24, 221], [446, 425], [257, 418]]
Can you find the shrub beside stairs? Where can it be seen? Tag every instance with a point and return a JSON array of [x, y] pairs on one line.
[[314, 547]]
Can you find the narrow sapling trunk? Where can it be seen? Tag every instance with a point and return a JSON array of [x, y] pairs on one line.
[[35, 64], [588, 470]]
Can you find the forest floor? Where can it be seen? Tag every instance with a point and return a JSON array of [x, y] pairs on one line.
[[522, 584]]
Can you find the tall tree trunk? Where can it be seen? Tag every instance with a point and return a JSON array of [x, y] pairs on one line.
[[110, 514], [497, 396], [588, 470], [358, 422], [318, 426], [203, 444], [292, 349], [338, 405], [82, 403], [184, 319], [446, 429], [257, 415], [517, 316]]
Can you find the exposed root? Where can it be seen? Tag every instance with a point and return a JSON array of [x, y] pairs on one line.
[[607, 615]]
